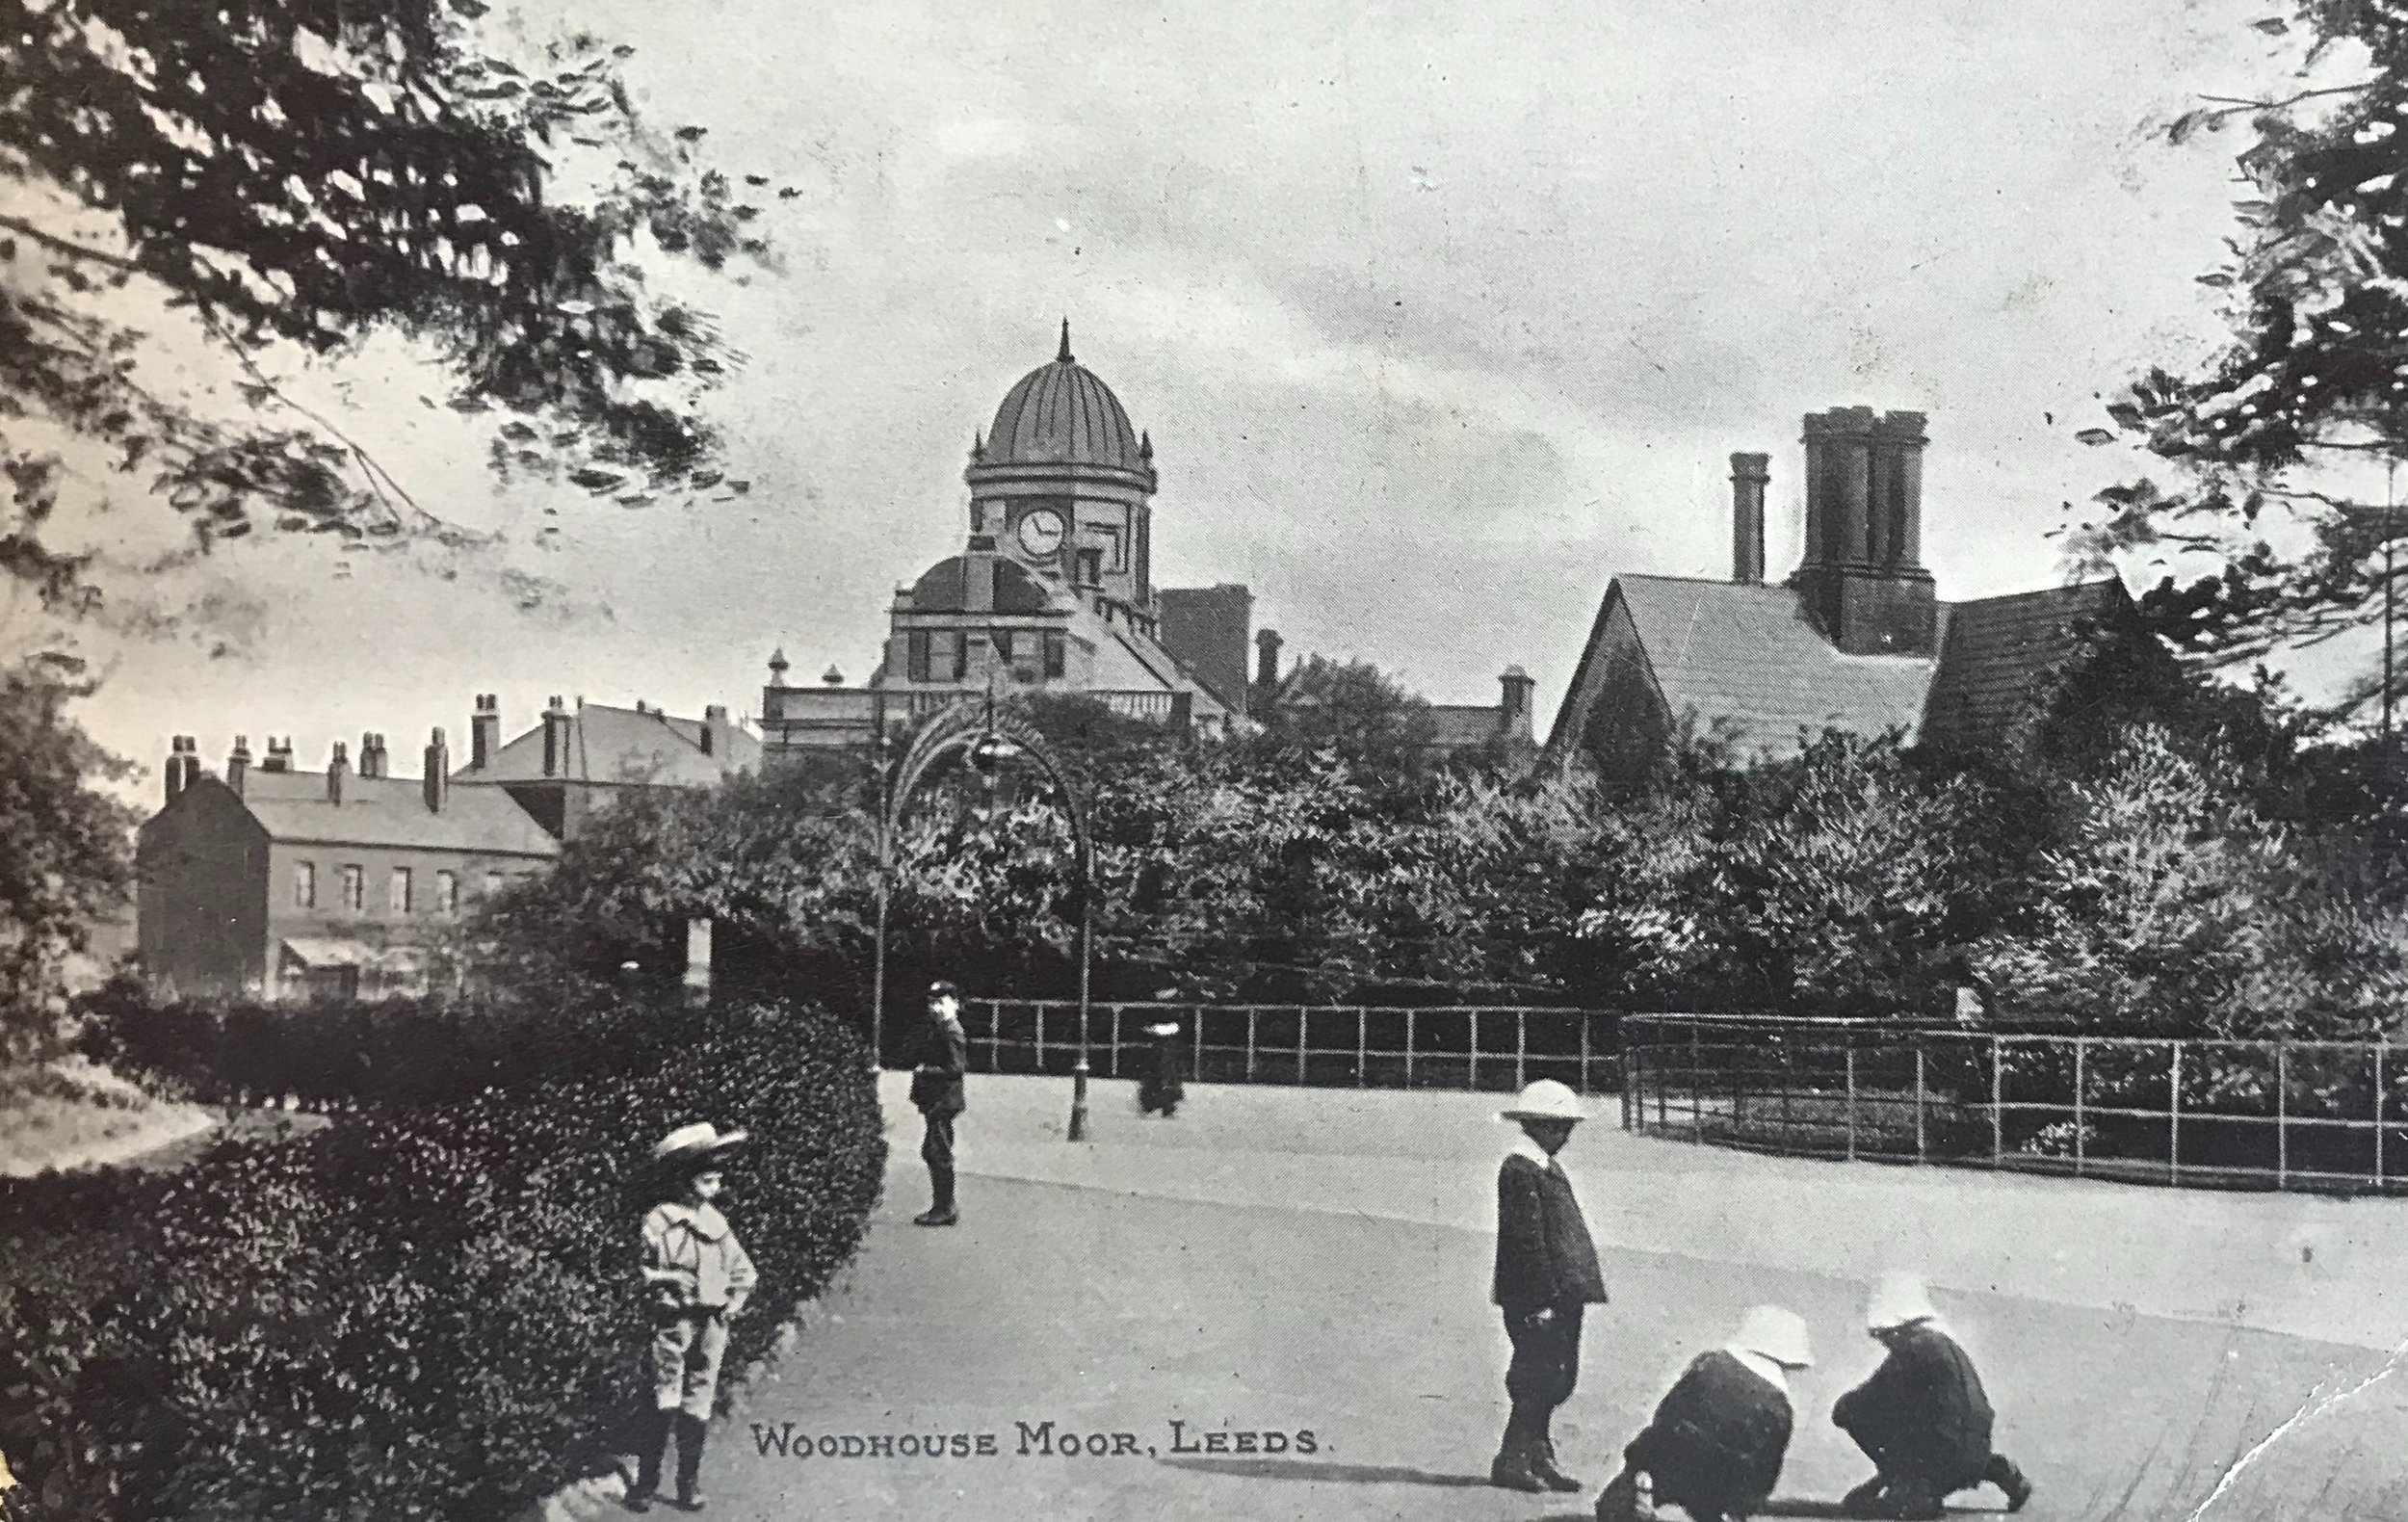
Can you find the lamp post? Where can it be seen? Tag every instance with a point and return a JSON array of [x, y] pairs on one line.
[[986, 737]]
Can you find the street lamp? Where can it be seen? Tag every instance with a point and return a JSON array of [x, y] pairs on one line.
[[986, 739]]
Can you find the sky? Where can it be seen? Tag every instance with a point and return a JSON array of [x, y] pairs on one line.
[[1440, 316]]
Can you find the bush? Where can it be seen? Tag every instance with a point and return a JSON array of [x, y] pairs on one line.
[[426, 1310]]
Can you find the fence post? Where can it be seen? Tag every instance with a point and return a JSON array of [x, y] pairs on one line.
[[1362, 1061], [2081, 1049], [1472, 1038], [2174, 1116], [1521, 1049], [2381, 1045], [1584, 1023], [1040, 1035], [1922, 1152], [1301, 1021], [1251, 1011], [1851, 1040], [1408, 1048], [1696, 1085], [1113, 1010], [1739, 1095], [2282, 1115], [1998, 1099]]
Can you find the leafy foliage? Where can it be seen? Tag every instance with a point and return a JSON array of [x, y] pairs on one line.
[[300, 174], [422, 1309], [2315, 375], [68, 860]]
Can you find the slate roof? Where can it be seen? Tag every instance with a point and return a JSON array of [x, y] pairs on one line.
[[619, 745], [1749, 654], [2000, 657], [1461, 726], [292, 807]]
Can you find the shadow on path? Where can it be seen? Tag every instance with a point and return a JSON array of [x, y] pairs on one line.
[[1321, 1471]]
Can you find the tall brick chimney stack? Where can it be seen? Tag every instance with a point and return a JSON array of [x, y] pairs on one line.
[[1514, 713], [556, 740], [484, 731], [1749, 474], [437, 782], [1862, 580], [280, 754], [336, 770], [237, 764], [717, 733], [1267, 658]]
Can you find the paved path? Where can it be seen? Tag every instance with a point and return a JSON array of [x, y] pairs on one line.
[[1275, 1262]]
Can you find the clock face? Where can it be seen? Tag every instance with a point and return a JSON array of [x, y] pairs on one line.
[[1040, 532]]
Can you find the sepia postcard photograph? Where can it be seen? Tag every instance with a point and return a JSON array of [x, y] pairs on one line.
[[1358, 760]]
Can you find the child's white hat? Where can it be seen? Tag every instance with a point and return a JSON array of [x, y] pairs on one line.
[[699, 1142], [1896, 1300], [1544, 1099], [1778, 1334]]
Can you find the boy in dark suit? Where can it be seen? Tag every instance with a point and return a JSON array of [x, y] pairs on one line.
[[1924, 1418], [1716, 1446], [1545, 1277], [936, 1088]]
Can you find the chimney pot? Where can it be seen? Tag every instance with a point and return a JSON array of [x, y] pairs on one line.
[[1749, 474], [436, 786], [1267, 658], [175, 778], [555, 739], [484, 731], [335, 769], [237, 763]]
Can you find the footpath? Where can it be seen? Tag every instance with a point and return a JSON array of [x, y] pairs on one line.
[[1274, 1306]]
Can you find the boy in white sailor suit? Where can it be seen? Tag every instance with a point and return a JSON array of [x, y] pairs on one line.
[[1545, 1277]]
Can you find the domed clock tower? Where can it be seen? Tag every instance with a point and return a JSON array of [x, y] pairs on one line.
[[1062, 485]]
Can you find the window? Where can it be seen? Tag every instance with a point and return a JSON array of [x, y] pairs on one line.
[[1090, 568], [397, 894], [304, 884], [492, 884], [1003, 645], [1057, 652], [447, 893], [355, 887], [961, 654], [916, 655], [1117, 557]]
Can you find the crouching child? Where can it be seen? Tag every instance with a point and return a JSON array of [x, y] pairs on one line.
[[1924, 1418], [1716, 1446]]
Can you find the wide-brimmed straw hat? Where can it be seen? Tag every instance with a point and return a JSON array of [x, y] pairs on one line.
[[1778, 1334], [1544, 1099], [1896, 1300], [695, 1146]]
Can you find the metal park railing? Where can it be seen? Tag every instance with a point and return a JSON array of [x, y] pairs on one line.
[[1355, 1047], [2270, 1114]]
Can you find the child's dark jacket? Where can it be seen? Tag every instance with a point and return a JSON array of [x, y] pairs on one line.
[[1544, 1255], [1924, 1411]]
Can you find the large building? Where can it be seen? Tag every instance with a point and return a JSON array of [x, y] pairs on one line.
[[1857, 640], [1053, 591], [269, 881]]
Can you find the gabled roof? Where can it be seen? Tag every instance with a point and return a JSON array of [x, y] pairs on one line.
[[621, 745], [293, 808], [1461, 726], [1747, 654], [2002, 657]]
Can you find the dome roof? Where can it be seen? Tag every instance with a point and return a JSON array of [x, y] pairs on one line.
[[945, 587], [1061, 414]]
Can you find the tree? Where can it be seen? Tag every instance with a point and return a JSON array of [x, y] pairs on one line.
[[1353, 709], [69, 860], [298, 176], [2314, 380]]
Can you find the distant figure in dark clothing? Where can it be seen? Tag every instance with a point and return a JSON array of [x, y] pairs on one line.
[[1545, 1277], [1164, 1083], [1923, 1418], [1716, 1446], [936, 1088]]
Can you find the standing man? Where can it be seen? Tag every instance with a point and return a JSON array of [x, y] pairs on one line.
[[1924, 1418], [1545, 1277], [936, 1088]]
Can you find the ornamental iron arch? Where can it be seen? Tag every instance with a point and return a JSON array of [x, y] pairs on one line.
[[984, 737]]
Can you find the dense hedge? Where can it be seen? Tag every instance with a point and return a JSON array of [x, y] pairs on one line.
[[424, 1310]]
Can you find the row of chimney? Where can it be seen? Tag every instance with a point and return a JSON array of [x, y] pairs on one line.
[[184, 768], [1864, 494]]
